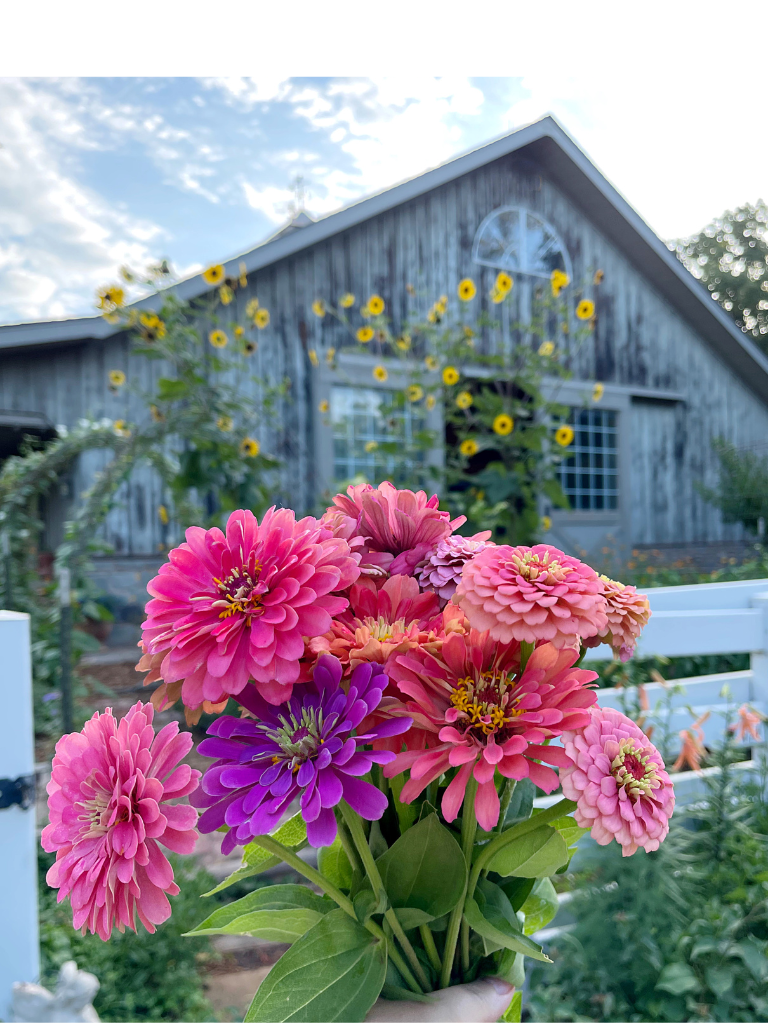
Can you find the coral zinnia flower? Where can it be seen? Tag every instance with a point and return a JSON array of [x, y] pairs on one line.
[[441, 570], [107, 803], [236, 607], [628, 613], [618, 781], [400, 527], [474, 709], [305, 748], [532, 594]]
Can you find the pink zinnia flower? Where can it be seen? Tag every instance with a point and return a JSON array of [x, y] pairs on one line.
[[400, 527], [628, 613], [441, 570], [108, 809], [532, 594], [618, 781], [236, 607], [473, 709]]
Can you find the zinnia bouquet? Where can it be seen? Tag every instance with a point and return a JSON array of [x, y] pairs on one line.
[[403, 694]]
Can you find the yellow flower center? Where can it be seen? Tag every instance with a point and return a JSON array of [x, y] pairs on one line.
[[486, 703], [634, 770], [238, 592], [544, 570]]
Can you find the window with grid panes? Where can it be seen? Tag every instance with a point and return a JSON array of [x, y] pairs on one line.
[[589, 470], [362, 418]]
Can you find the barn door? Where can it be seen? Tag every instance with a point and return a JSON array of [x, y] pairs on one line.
[[656, 473]]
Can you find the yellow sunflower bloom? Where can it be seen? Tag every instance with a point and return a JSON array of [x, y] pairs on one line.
[[150, 320], [110, 298], [218, 339], [598, 391], [238, 331], [469, 334], [226, 295], [364, 335], [330, 355], [546, 349], [156, 414], [504, 282], [503, 424], [546, 524], [318, 308], [127, 275], [585, 309], [313, 357], [243, 277], [450, 375], [250, 347], [469, 447], [121, 429], [380, 373], [214, 274], [559, 280], [250, 446], [162, 515], [117, 378], [564, 435], [111, 318], [324, 405], [375, 305], [431, 362], [464, 399], [365, 312], [347, 300], [431, 402], [371, 446], [225, 424], [251, 308], [415, 392], [262, 318], [404, 342], [497, 296], [467, 289], [432, 316], [599, 275]]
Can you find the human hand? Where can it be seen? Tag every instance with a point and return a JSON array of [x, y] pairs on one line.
[[480, 1002]]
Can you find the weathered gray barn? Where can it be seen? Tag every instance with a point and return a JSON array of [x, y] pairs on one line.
[[677, 372]]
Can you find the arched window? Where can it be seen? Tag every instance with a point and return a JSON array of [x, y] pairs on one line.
[[520, 242]]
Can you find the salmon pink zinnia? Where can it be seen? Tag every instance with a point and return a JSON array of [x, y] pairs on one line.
[[107, 803], [532, 594], [628, 613], [237, 607], [473, 710]]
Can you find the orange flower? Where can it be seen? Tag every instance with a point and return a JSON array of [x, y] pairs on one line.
[[693, 745]]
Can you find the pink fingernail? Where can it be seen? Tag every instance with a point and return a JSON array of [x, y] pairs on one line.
[[502, 987]]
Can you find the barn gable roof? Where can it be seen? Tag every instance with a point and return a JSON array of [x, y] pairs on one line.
[[548, 144]]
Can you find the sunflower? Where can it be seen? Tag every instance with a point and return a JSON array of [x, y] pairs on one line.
[[431, 362], [150, 320], [365, 312], [467, 289], [324, 406], [110, 298], [218, 339], [313, 357], [497, 296], [243, 278], [238, 331], [598, 391], [469, 334], [214, 274], [564, 435], [375, 305], [450, 375], [261, 319], [250, 347], [251, 308], [504, 282], [464, 399], [598, 278], [364, 335], [503, 424], [403, 342], [330, 355], [415, 392], [318, 308], [380, 373], [162, 515], [559, 280], [250, 446], [347, 300], [371, 446], [225, 424], [117, 378], [469, 447], [121, 429], [431, 402], [127, 275], [546, 524], [546, 349], [226, 295], [585, 309], [156, 414]]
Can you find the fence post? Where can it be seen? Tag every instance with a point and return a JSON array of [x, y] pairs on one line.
[[65, 647], [758, 660], [20, 957]]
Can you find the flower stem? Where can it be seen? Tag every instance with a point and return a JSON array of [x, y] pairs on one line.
[[395, 957], [354, 825], [429, 945], [526, 650], [506, 800], [468, 830], [349, 847]]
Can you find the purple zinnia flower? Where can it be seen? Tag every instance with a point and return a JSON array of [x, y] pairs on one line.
[[441, 570], [304, 747]]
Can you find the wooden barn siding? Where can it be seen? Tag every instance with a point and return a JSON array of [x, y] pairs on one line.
[[639, 340]]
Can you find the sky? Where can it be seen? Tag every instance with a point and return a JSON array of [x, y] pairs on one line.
[[100, 172]]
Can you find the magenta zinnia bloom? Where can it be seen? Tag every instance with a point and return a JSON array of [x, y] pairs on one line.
[[306, 747], [107, 803], [400, 527], [236, 607], [532, 594], [618, 781], [473, 710], [441, 570], [628, 613]]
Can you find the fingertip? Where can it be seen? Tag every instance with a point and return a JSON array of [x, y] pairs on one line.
[[502, 987]]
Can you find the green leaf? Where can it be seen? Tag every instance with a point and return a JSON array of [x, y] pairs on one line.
[[496, 909], [171, 390], [540, 907], [256, 860], [365, 905], [521, 804], [518, 890], [333, 973], [720, 979], [508, 938], [333, 862], [534, 855], [424, 869], [511, 967], [412, 917], [514, 1012], [406, 813], [754, 957], [569, 830], [678, 979], [276, 913]]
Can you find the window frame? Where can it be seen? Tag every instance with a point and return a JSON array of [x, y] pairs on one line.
[[522, 211]]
